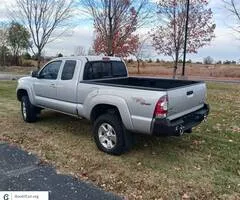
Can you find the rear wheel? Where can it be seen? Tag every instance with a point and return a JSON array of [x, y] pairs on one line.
[[29, 112], [109, 134]]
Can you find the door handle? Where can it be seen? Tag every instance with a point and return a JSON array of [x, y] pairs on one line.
[[189, 93], [52, 85]]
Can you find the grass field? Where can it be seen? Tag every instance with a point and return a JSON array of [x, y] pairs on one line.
[[202, 165]]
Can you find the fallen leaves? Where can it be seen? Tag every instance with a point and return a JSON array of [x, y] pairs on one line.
[[185, 196], [155, 169]]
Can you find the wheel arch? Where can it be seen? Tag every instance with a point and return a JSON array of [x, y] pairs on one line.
[[101, 109], [25, 92], [103, 104], [21, 93]]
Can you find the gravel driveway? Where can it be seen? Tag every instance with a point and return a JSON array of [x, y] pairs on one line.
[[7, 76]]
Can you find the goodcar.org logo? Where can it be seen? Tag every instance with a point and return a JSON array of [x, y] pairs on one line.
[[24, 195], [6, 197]]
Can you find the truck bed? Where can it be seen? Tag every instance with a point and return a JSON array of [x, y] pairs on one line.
[[145, 83], [184, 96]]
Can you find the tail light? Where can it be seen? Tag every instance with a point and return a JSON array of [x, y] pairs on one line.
[[161, 108]]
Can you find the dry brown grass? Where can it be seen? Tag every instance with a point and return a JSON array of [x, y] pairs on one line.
[[161, 69], [165, 69], [18, 70], [202, 165]]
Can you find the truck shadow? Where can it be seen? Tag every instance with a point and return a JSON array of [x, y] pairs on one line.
[[146, 144]]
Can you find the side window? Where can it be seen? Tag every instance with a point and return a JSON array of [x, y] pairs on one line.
[[106, 71], [118, 69], [97, 70], [51, 70], [93, 71], [68, 70]]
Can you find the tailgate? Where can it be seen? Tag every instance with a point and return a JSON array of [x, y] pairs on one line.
[[184, 100]]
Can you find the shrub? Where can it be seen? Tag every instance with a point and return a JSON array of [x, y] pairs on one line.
[[27, 64], [130, 61], [26, 56], [208, 60], [227, 62]]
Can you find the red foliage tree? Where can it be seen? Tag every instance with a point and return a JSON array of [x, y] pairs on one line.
[[115, 22], [119, 47], [168, 37]]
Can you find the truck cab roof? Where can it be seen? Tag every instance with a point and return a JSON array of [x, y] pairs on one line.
[[90, 58]]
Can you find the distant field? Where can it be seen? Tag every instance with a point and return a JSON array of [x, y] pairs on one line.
[[18, 70], [201, 165], [161, 69]]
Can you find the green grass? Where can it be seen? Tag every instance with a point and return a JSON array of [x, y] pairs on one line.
[[201, 165]]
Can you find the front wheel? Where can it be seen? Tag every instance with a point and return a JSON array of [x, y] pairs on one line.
[[109, 134], [28, 110]]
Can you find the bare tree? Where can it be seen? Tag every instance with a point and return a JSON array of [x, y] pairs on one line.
[[116, 20], [80, 51], [43, 17], [140, 53], [233, 6]]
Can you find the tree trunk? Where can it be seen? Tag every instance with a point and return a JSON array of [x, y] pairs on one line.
[[38, 59], [16, 60], [38, 63], [110, 36], [174, 70], [175, 65], [1, 58], [4, 58], [138, 66]]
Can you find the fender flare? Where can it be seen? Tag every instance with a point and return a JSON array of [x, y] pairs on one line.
[[29, 92], [116, 101]]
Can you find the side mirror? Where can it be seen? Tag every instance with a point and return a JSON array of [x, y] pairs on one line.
[[34, 74]]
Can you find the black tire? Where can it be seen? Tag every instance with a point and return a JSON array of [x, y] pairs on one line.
[[30, 114], [38, 110], [119, 130], [188, 130]]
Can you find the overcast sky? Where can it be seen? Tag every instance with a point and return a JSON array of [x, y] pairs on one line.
[[224, 46]]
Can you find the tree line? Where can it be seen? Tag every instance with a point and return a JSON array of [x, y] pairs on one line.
[[116, 24]]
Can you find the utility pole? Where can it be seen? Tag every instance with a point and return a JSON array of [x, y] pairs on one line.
[[185, 42]]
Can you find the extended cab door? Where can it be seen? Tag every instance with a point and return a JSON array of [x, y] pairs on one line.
[[45, 86], [67, 86]]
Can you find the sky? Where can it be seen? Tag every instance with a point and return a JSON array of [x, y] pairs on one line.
[[225, 46]]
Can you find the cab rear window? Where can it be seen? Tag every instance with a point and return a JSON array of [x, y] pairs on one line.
[[104, 69]]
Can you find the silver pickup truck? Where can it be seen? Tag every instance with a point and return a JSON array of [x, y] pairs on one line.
[[99, 89]]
